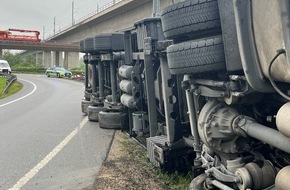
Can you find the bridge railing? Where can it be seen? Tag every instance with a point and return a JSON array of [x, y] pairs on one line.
[[99, 10], [87, 16]]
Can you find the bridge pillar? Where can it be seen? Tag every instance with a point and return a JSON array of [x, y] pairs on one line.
[[71, 60], [39, 58], [65, 61], [56, 58], [46, 59]]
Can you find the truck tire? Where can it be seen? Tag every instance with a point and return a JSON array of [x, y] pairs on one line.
[[191, 19], [113, 120], [87, 45], [198, 182], [109, 42], [87, 95], [196, 56], [84, 105], [93, 112]]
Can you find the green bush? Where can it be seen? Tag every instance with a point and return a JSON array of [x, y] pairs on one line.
[[28, 69], [77, 70]]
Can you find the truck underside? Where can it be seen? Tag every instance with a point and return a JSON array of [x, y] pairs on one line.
[[205, 88]]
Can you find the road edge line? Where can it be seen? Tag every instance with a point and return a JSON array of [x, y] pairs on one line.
[[25, 96], [29, 175]]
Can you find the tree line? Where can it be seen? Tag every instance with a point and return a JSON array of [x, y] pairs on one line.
[[21, 63]]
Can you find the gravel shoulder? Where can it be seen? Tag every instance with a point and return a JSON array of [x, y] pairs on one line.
[[123, 168]]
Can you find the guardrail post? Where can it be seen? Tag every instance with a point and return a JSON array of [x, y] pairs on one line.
[[10, 80]]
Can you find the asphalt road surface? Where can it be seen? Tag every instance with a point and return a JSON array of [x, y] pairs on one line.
[[45, 141]]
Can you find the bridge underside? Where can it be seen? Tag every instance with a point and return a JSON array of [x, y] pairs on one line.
[[67, 60], [47, 54], [40, 46]]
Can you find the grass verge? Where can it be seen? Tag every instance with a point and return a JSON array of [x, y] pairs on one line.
[[2, 83], [172, 181], [15, 87]]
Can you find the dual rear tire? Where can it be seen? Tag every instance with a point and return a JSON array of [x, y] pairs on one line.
[[195, 28], [191, 19], [196, 56], [113, 120], [93, 112]]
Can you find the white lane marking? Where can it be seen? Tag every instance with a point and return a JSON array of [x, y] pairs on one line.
[[48, 158], [25, 96]]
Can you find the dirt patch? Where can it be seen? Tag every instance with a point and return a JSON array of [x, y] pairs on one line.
[[123, 169]]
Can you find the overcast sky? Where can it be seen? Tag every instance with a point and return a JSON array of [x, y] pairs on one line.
[[40, 14]]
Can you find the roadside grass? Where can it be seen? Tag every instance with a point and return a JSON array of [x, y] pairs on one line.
[[2, 83], [15, 87], [173, 181]]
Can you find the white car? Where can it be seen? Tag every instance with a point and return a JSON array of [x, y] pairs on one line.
[[4, 67]]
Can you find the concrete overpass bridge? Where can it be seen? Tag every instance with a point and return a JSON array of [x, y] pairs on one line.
[[47, 53], [121, 15], [40, 46]]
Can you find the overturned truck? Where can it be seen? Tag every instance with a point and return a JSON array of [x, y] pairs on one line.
[[205, 87]]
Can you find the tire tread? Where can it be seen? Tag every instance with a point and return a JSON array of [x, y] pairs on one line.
[[191, 19], [196, 56]]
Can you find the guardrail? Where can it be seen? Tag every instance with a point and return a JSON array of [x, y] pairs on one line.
[[10, 79], [99, 10]]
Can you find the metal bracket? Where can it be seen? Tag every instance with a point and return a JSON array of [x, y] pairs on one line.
[[93, 58], [138, 56], [117, 56], [148, 46], [136, 86], [106, 57], [162, 45], [86, 58]]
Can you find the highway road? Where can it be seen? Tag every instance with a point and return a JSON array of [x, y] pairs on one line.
[[45, 141]]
